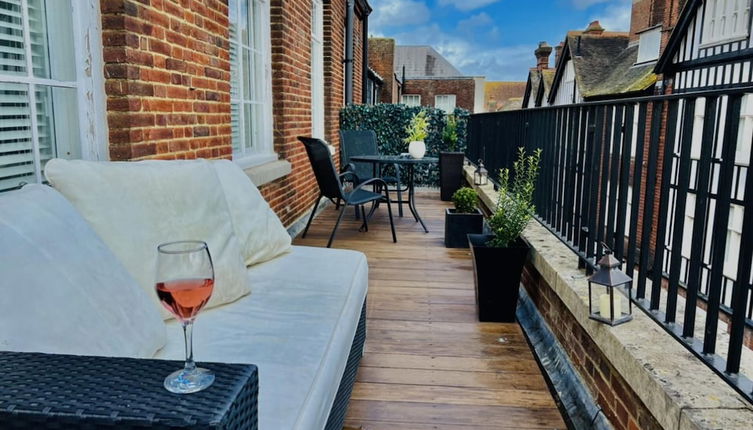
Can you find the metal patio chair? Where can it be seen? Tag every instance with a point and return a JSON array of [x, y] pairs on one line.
[[364, 142], [330, 186]]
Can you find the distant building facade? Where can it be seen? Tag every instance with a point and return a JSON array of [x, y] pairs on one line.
[[421, 76]]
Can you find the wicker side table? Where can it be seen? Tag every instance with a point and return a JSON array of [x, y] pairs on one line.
[[48, 391]]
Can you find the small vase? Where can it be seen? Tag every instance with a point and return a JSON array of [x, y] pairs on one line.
[[417, 149]]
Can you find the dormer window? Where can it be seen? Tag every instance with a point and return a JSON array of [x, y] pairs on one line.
[[725, 20], [648, 46]]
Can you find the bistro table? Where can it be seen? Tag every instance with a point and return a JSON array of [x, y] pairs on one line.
[[410, 163]]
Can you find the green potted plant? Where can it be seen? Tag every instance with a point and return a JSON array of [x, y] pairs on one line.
[[465, 218], [450, 161], [417, 131], [498, 258]]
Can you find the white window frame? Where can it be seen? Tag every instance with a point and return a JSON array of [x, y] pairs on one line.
[[649, 45], [260, 148], [411, 99], [440, 105], [317, 69], [716, 21], [89, 84]]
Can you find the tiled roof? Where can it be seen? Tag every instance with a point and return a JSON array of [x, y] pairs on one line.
[[604, 65], [498, 93], [423, 62], [623, 76]]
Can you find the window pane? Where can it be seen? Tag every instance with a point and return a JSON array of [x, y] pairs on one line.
[[243, 22], [16, 149], [51, 34], [234, 73], [12, 58], [246, 65], [250, 126], [57, 123], [235, 126]]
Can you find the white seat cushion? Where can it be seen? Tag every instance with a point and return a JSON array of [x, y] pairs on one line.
[[63, 291], [260, 233], [297, 327], [135, 206]]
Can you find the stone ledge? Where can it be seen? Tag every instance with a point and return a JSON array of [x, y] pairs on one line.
[[268, 172], [679, 390]]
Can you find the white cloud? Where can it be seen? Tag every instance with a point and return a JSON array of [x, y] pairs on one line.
[[506, 63], [394, 13], [480, 26], [466, 5], [616, 17], [584, 4]]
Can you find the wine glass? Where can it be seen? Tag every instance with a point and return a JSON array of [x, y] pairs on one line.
[[185, 279]]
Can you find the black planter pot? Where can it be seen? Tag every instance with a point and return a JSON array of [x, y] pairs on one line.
[[497, 277], [458, 226], [450, 173]]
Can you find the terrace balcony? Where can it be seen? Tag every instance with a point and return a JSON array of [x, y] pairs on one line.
[[428, 362], [661, 181]]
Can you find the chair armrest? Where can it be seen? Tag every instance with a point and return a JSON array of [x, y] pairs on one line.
[[352, 174]]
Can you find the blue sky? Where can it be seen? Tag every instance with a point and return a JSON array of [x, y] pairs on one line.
[[492, 38]]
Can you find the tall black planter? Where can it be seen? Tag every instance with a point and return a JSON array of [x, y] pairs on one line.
[[497, 277], [457, 227], [450, 173]]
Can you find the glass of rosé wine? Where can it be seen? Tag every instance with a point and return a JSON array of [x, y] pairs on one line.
[[185, 279]]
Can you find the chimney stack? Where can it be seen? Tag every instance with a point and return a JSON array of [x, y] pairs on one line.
[[558, 53], [594, 28], [542, 55]]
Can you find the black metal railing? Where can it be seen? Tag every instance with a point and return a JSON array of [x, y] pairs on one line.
[[662, 181]]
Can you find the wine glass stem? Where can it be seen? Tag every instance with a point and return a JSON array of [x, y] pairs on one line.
[[188, 336]]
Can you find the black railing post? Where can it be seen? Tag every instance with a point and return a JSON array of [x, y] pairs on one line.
[[742, 280], [637, 172], [681, 194], [721, 220], [699, 220], [627, 146]]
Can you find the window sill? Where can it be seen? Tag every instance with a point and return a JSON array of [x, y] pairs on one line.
[[265, 173], [714, 43]]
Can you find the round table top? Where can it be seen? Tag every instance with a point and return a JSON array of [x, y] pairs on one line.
[[393, 159]]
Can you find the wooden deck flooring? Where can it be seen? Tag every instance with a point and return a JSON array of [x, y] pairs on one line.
[[428, 363]]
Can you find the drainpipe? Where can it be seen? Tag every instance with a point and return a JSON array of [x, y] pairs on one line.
[[349, 14], [365, 59]]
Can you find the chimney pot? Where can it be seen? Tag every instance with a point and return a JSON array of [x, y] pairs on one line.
[[558, 53], [542, 55], [594, 28]]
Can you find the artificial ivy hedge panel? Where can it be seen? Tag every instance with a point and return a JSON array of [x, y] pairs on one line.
[[389, 122]]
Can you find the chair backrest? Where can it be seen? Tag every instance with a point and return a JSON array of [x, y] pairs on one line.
[[324, 169], [359, 142]]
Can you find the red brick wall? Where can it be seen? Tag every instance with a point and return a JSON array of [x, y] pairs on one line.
[[649, 13], [622, 407], [382, 60], [167, 78], [167, 81], [464, 90], [294, 194]]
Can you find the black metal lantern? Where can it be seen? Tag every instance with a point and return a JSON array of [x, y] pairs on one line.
[[614, 304], [481, 175]]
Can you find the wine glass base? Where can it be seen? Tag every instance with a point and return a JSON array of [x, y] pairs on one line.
[[189, 381]]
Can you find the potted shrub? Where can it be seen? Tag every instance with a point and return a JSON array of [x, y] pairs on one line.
[[417, 131], [498, 258], [450, 161], [465, 218]]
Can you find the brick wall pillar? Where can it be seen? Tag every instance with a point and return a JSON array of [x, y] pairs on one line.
[[167, 78]]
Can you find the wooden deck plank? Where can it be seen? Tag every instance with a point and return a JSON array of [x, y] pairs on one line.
[[428, 362]]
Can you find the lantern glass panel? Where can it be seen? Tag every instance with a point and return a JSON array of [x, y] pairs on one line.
[[610, 304]]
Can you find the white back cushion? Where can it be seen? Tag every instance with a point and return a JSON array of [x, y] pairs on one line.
[[63, 291], [261, 234], [135, 206]]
